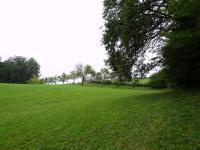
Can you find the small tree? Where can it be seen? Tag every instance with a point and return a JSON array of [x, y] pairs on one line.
[[46, 80], [62, 78], [55, 79], [93, 75], [88, 70], [105, 73], [98, 76], [73, 76], [50, 80], [68, 77], [82, 71]]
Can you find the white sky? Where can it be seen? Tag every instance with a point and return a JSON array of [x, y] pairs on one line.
[[57, 33]]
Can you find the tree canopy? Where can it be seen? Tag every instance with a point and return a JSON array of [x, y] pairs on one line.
[[182, 51], [130, 26], [18, 69], [168, 27]]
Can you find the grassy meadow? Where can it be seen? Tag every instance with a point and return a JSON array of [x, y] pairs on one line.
[[92, 117]]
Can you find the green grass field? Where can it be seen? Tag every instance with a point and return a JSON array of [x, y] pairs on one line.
[[89, 117]]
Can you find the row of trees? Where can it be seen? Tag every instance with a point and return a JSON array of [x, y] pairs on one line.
[[18, 69], [168, 28], [83, 72]]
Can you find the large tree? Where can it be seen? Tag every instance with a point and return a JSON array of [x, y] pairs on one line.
[[130, 28], [18, 69]]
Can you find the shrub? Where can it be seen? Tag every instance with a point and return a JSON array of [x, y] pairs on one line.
[[158, 80], [143, 82], [110, 82], [107, 82], [35, 81]]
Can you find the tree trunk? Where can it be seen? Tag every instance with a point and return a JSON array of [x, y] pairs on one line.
[[82, 80], [118, 81], [133, 83]]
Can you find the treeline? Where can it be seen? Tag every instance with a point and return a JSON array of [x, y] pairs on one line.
[[18, 69], [87, 74], [84, 73], [170, 29]]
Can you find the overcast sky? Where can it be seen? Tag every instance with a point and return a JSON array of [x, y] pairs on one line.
[[57, 33]]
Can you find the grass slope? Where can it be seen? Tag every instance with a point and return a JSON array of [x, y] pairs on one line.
[[75, 117]]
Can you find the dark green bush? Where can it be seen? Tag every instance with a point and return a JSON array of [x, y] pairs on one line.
[[158, 80], [143, 85], [107, 82], [110, 82]]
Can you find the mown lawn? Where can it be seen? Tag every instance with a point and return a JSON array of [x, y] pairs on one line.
[[90, 117]]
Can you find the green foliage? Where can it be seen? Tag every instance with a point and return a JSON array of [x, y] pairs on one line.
[[130, 26], [182, 52], [141, 83], [158, 80], [81, 71], [89, 70], [63, 77], [18, 69], [35, 80], [133, 26], [51, 80], [90, 117], [73, 75], [98, 76], [105, 73], [106, 82]]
